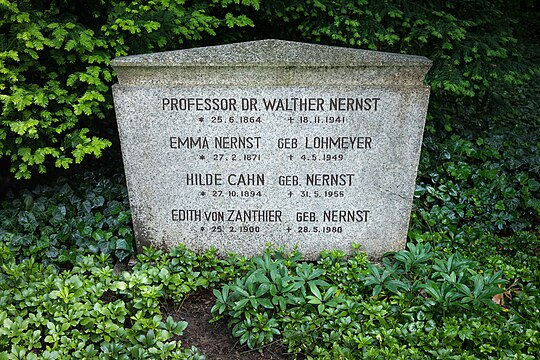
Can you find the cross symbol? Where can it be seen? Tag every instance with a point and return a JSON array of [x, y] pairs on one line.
[[290, 193], [291, 119], [288, 229], [290, 157]]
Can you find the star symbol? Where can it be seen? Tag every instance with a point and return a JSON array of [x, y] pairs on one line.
[[201, 119], [203, 193], [202, 229], [202, 157]]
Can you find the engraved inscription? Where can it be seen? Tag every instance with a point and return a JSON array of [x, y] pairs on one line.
[[270, 104], [337, 136]]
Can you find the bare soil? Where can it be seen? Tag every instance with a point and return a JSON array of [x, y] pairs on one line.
[[214, 339]]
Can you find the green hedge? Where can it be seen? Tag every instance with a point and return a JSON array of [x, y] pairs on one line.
[[472, 44], [55, 78]]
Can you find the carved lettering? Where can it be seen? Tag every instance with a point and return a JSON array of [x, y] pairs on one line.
[[329, 179], [345, 215]]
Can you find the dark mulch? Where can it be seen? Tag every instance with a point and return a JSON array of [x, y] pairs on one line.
[[215, 340]]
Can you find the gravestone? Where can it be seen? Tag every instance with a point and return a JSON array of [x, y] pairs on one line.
[[271, 142]]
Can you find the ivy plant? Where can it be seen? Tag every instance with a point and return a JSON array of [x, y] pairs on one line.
[[55, 223]]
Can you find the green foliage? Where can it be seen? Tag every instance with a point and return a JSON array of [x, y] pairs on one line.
[[420, 303], [451, 282], [269, 290], [93, 310], [55, 76], [478, 193], [80, 313], [466, 286], [473, 44], [489, 182], [55, 224], [159, 276], [54, 69]]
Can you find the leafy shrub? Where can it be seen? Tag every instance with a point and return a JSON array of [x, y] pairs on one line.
[[54, 69], [178, 273], [478, 193], [80, 313], [88, 214], [473, 44], [419, 304], [92, 310], [270, 289], [489, 183]]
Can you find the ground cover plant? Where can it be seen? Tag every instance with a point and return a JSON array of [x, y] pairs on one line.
[[55, 224]]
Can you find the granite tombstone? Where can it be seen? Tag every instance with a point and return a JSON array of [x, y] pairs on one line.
[[271, 142]]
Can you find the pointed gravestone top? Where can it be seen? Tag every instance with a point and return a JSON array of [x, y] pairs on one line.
[[272, 53], [270, 63]]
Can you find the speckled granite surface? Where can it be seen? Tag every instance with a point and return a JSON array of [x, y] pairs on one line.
[[296, 145]]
